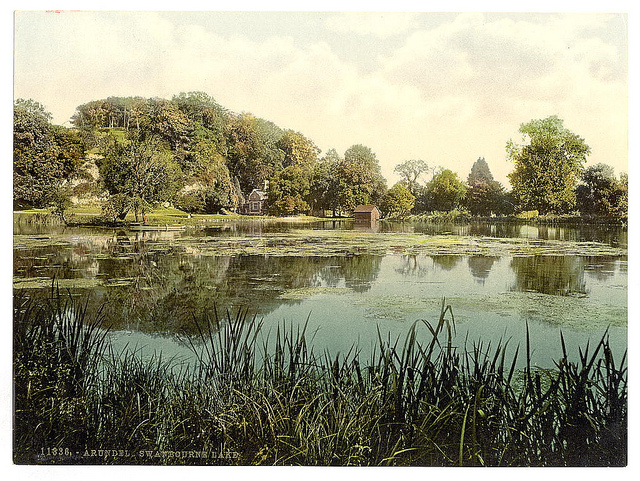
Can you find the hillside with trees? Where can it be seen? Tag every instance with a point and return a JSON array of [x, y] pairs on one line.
[[131, 155]]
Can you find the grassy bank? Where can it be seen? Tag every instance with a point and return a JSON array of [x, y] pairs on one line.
[[92, 215], [266, 398], [531, 218]]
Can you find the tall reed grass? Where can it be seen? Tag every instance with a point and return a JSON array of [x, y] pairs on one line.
[[265, 397]]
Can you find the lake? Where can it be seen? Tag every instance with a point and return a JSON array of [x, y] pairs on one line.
[[348, 282]]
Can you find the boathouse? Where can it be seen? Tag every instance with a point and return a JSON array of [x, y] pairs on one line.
[[366, 213]]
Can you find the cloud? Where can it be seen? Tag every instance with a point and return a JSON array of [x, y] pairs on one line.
[[447, 94], [378, 24]]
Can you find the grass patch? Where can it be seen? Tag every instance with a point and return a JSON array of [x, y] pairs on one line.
[[266, 398], [92, 213]]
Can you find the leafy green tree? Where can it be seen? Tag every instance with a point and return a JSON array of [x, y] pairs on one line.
[[445, 191], [484, 194], [288, 191], [192, 202], [201, 108], [484, 198], [92, 115], [207, 119], [210, 180], [298, 150], [398, 201], [253, 155], [45, 156], [410, 171], [547, 167], [323, 185], [167, 122], [359, 179], [142, 173], [600, 193]]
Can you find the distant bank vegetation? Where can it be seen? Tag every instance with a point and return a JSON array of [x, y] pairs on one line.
[[131, 154]]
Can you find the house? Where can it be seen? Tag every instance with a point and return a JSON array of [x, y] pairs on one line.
[[366, 213], [255, 203]]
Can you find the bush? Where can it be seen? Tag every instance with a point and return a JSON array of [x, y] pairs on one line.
[[190, 202], [528, 214]]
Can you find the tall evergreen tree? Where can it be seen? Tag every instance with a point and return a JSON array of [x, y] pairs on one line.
[[480, 172]]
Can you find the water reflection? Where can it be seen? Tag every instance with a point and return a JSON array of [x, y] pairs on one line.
[[480, 266], [446, 263], [147, 282], [612, 235], [153, 286], [556, 275]]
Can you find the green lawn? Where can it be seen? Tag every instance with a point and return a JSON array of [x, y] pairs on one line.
[[161, 215]]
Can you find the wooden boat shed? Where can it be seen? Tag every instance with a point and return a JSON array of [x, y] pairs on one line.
[[366, 213]]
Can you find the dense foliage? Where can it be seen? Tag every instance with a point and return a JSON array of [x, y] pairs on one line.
[[398, 201], [547, 168], [45, 156], [485, 196], [601, 193], [207, 159], [445, 191]]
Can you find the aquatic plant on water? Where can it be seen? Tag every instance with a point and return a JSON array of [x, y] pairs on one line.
[[265, 397]]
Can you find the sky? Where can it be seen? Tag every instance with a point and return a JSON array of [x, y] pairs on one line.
[[443, 87]]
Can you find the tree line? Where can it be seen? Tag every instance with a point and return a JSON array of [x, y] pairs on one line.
[[193, 153]]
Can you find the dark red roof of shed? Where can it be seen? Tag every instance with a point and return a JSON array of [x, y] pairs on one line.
[[365, 208]]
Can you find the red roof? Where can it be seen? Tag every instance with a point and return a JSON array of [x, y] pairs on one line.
[[365, 208]]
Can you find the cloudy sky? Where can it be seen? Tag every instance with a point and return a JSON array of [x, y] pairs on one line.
[[443, 87]]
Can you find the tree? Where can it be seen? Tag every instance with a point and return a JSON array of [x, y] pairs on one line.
[[253, 156], [141, 173], [446, 191], [398, 201], [547, 167], [298, 150], [484, 198], [410, 171], [359, 178], [484, 195], [600, 193], [45, 156], [207, 119], [480, 172], [323, 185], [209, 182], [288, 190]]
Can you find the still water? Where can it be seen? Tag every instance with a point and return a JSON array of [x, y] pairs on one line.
[[151, 285]]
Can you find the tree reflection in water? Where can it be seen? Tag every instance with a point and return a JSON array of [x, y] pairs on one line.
[[555, 275], [480, 266]]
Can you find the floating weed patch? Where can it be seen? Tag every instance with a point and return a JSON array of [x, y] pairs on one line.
[[570, 312], [331, 243], [37, 242], [75, 283], [334, 242], [307, 292], [565, 311], [45, 282]]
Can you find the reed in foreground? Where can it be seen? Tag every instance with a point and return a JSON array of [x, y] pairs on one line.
[[265, 397]]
